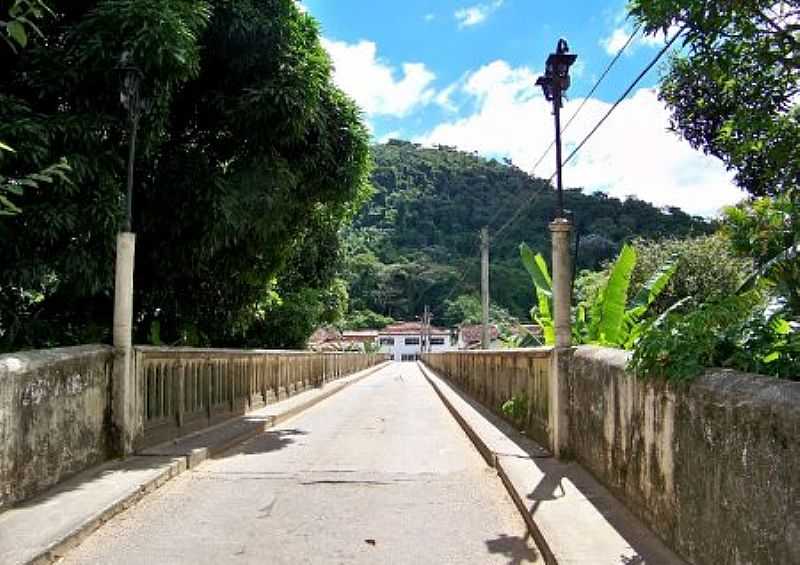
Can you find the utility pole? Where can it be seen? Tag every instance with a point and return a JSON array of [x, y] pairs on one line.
[[426, 330], [485, 288]]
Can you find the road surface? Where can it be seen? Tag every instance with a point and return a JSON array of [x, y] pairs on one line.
[[379, 473]]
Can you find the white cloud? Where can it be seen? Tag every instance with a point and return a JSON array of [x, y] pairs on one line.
[[444, 98], [473, 15], [429, 17], [615, 41], [376, 86], [658, 39], [620, 35], [631, 154]]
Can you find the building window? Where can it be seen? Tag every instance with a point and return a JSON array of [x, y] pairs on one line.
[[437, 341], [387, 341], [412, 341], [408, 357]]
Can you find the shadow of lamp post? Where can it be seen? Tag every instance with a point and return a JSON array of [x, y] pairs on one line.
[[125, 415]]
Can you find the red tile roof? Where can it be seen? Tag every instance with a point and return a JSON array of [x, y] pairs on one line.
[[403, 328]]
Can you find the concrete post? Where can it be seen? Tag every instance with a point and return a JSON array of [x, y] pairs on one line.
[[560, 229], [126, 413]]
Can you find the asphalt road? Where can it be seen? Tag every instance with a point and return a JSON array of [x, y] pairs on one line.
[[379, 473]]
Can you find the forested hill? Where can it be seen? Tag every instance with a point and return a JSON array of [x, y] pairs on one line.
[[411, 244]]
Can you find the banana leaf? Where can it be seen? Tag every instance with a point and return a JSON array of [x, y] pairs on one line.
[[789, 254], [652, 288], [615, 298]]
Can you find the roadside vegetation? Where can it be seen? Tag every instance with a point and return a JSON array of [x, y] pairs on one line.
[[732, 299], [249, 162]]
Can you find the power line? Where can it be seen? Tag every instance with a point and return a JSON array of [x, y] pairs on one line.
[[588, 136], [624, 95], [586, 98], [589, 95]]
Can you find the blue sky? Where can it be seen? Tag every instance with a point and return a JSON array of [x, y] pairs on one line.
[[462, 73]]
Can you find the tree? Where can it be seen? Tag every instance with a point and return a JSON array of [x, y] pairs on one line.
[[707, 268], [250, 161], [767, 230], [17, 25], [733, 88], [416, 240]]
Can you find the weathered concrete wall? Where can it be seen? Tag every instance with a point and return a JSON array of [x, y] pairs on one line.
[[54, 416], [712, 467]]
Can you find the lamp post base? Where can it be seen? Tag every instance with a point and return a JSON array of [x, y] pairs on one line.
[[124, 407]]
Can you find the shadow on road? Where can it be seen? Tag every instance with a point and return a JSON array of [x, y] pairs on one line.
[[265, 442], [515, 548]]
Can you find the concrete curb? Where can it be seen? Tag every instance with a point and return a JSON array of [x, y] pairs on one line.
[[84, 530], [177, 464], [583, 523], [493, 461]]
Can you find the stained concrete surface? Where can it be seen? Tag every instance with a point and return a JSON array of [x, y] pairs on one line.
[[379, 473]]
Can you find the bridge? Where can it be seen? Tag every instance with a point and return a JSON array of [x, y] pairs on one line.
[[511, 456]]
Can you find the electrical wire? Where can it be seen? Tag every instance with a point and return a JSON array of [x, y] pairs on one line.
[[574, 115], [534, 196], [594, 129]]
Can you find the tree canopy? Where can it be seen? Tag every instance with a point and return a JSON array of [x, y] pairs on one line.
[[249, 162], [733, 88]]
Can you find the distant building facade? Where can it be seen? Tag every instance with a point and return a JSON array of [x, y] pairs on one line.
[[406, 340]]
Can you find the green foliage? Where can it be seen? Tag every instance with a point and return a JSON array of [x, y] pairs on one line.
[[249, 163], [614, 297], [768, 229], [365, 320], [732, 88], [467, 309], [21, 16], [735, 331], [416, 241], [542, 313], [747, 321], [20, 20], [706, 268], [608, 317], [516, 408]]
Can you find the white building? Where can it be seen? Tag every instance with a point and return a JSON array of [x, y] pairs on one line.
[[405, 340]]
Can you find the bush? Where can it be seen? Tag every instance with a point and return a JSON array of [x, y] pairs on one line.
[[707, 268]]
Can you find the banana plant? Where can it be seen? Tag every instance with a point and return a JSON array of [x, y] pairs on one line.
[[611, 318], [542, 313]]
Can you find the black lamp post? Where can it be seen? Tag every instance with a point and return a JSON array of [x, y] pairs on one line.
[[132, 100], [555, 83]]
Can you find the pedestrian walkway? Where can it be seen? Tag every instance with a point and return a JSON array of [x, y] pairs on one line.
[[378, 473]]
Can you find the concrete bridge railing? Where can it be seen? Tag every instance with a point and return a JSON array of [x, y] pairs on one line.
[[56, 404], [180, 390], [712, 467], [496, 376]]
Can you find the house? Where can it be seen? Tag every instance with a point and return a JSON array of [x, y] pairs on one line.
[[331, 339], [405, 340], [469, 336], [360, 340]]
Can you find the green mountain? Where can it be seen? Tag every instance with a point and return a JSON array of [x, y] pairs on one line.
[[417, 241]]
